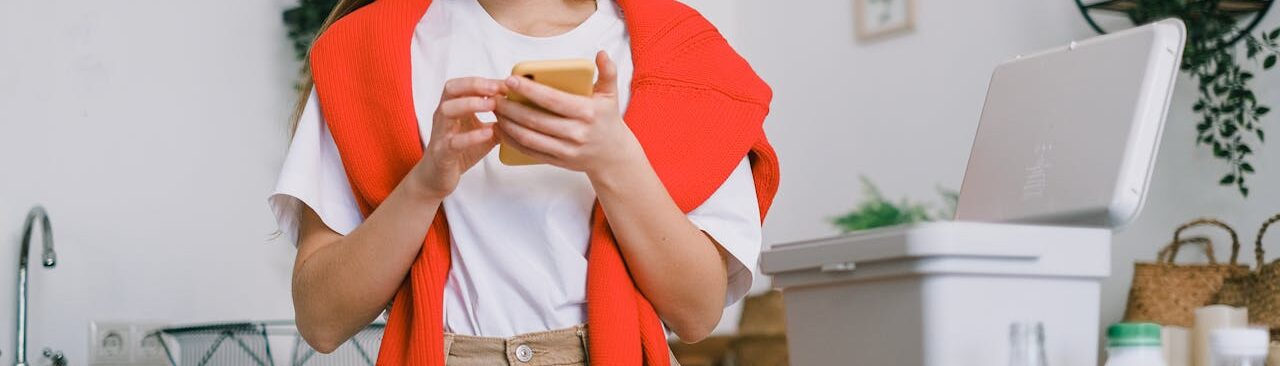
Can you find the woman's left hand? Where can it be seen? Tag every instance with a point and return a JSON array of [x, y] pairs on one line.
[[585, 134]]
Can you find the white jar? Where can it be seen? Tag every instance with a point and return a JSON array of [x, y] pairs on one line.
[[1134, 344], [1239, 347]]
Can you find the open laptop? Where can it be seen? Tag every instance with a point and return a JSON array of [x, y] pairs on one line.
[[1069, 136]]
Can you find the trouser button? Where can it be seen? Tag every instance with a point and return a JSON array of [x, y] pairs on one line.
[[524, 353]]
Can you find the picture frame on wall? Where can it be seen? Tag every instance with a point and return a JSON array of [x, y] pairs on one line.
[[879, 18]]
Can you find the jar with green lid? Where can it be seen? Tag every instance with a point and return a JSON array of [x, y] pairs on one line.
[[1134, 344]]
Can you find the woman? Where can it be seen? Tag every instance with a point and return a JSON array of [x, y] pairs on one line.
[[394, 189]]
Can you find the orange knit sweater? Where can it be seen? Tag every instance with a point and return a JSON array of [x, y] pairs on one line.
[[696, 107]]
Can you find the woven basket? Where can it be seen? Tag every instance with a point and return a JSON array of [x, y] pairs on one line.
[[1167, 293], [1259, 290], [763, 332]]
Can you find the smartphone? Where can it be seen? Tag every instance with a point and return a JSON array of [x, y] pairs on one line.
[[573, 76]]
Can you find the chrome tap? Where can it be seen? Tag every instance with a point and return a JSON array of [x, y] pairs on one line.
[[49, 260]]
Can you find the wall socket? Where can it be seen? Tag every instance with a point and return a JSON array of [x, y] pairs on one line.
[[126, 343]]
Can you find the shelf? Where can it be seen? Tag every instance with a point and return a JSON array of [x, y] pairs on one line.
[[1232, 7]]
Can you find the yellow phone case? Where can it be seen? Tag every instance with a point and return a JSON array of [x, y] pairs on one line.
[[573, 76]]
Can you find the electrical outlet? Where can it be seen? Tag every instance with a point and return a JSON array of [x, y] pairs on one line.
[[109, 343], [149, 350], [126, 343]]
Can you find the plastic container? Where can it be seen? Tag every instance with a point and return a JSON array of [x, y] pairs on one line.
[[1134, 344], [941, 293], [1239, 347]]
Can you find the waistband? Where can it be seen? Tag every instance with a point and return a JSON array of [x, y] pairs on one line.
[[553, 347]]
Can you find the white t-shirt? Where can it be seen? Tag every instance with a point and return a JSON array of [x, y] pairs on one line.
[[519, 233]]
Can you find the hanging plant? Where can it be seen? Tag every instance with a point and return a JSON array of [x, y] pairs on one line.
[[1229, 118], [1230, 115]]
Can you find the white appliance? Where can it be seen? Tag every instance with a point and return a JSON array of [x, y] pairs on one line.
[[941, 293], [1041, 193], [1069, 136]]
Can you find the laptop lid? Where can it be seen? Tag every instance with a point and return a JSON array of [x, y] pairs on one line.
[[1069, 136]]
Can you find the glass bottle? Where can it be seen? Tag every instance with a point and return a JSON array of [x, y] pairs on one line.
[[1026, 344]]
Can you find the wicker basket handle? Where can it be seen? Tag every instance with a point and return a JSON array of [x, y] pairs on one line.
[[1169, 252], [1262, 232], [1204, 221]]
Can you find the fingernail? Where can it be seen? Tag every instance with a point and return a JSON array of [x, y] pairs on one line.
[[512, 81]]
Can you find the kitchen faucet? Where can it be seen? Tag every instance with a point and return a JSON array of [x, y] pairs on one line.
[[49, 260]]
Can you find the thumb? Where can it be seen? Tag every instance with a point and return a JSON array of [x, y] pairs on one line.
[[608, 81]]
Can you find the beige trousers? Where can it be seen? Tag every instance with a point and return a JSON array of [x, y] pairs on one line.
[[562, 347]]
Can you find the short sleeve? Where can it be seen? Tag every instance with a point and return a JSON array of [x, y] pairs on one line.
[[313, 175], [731, 216]]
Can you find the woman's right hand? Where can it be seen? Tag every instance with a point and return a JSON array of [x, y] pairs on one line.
[[458, 140]]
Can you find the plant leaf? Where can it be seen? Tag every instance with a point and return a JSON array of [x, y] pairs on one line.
[[875, 211], [1269, 62], [1227, 180]]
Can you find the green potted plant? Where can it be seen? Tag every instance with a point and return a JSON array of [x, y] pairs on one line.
[[875, 211]]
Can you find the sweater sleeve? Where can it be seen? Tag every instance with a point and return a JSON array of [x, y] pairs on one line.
[[313, 176]]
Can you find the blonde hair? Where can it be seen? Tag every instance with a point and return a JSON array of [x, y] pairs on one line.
[[306, 83]]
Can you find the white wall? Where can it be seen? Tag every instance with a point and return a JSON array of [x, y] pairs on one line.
[[152, 130], [722, 13], [903, 111]]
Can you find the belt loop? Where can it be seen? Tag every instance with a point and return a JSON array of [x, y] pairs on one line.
[[448, 343]]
